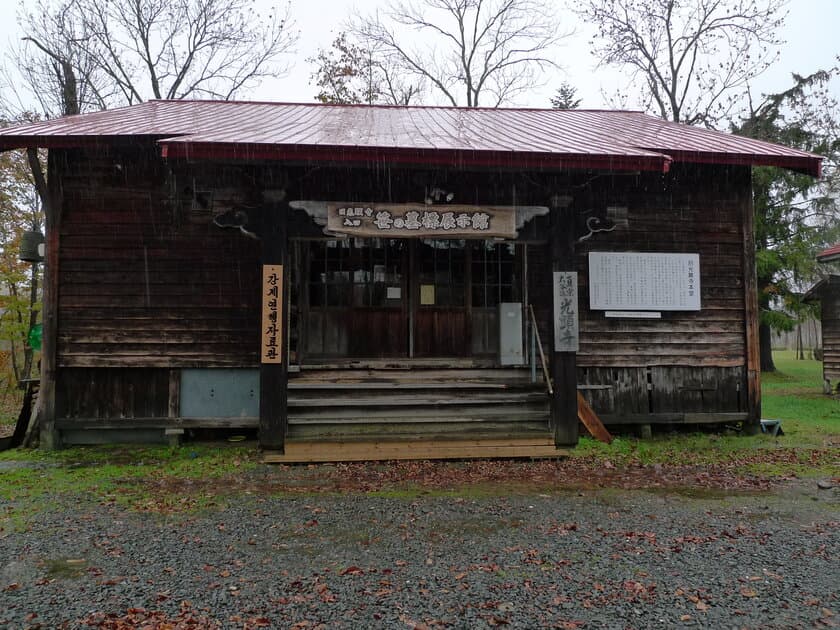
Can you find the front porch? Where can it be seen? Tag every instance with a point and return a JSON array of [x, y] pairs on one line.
[[417, 410]]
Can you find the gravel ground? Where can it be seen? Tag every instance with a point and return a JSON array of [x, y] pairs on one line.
[[594, 559]]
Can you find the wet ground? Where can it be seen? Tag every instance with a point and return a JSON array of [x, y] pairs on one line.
[[526, 557]]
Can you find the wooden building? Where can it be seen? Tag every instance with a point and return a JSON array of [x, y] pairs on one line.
[[368, 282], [827, 293]]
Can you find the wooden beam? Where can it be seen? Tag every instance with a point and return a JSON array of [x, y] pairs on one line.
[[174, 402], [752, 424], [274, 377], [591, 421], [49, 438], [157, 423], [564, 407], [319, 451], [673, 418]]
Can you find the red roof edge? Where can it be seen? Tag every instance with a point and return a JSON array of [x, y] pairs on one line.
[[830, 254], [7, 143], [808, 165], [240, 151]]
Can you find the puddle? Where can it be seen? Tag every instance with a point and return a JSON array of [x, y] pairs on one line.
[[65, 568], [24, 465]]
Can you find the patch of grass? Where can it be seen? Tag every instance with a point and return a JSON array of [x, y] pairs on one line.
[[792, 375], [680, 448], [136, 477], [65, 568], [794, 395]]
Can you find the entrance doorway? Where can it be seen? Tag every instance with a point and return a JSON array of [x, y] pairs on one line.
[[441, 325], [403, 298]]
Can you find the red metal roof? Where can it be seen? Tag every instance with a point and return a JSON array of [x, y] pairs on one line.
[[541, 138], [830, 254]]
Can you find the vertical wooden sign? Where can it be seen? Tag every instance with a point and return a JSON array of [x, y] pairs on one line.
[[565, 312], [271, 349]]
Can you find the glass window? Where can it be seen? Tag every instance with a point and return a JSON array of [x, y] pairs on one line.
[[355, 272], [493, 273]]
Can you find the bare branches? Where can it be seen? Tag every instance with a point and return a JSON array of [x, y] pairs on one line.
[[126, 51], [695, 58], [352, 74], [469, 52]]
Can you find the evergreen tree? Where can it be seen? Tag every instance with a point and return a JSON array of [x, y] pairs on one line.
[[566, 97], [796, 215]]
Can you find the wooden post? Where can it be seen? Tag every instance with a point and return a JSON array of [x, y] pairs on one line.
[[50, 193], [751, 313], [274, 371], [564, 405]]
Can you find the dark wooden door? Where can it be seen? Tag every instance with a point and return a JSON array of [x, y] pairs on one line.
[[440, 272], [401, 298], [356, 299]]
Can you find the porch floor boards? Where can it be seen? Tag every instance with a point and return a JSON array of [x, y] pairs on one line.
[[314, 451]]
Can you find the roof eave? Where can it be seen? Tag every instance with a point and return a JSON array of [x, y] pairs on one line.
[[444, 157], [816, 292], [806, 164], [9, 143]]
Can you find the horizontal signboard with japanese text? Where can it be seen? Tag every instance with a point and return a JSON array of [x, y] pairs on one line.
[[419, 220]]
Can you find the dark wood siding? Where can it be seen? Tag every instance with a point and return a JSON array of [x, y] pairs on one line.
[[147, 281], [830, 308], [102, 393], [685, 362], [695, 211], [145, 278]]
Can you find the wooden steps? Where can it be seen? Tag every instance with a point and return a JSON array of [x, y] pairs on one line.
[[307, 451], [382, 405]]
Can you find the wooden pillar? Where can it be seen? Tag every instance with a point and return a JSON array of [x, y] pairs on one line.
[[564, 328], [49, 437], [751, 311], [274, 365]]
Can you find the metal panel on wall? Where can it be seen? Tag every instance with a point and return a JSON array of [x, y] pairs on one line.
[[220, 393]]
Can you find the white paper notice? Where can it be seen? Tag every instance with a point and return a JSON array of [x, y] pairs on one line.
[[640, 281]]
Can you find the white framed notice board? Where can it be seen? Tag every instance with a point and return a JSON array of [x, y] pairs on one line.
[[644, 281]]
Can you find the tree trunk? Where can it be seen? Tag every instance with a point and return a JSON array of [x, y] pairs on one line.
[[765, 347]]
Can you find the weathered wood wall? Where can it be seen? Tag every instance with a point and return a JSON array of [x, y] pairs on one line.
[[147, 281], [114, 394], [830, 309], [686, 362]]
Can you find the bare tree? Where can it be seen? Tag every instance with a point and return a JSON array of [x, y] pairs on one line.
[[119, 52], [350, 73], [56, 72], [691, 60], [467, 51]]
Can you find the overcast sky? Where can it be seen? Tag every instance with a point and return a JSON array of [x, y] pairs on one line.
[[811, 34]]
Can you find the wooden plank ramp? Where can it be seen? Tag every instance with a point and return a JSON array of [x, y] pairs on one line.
[[591, 421], [299, 452]]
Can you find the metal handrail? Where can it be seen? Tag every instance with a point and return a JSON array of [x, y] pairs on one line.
[[535, 334]]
